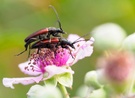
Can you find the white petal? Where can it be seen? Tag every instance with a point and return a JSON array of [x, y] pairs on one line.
[[73, 37], [8, 82], [84, 50], [29, 69], [54, 70]]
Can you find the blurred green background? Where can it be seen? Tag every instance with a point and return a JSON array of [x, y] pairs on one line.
[[19, 18]]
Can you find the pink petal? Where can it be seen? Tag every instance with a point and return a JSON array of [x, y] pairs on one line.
[[84, 50], [8, 82], [54, 70], [73, 37], [29, 69]]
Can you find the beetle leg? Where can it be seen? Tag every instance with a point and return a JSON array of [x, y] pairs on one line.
[[66, 47], [21, 52], [38, 50], [27, 44], [29, 52], [71, 54]]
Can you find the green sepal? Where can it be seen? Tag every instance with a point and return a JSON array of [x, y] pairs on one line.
[[65, 79]]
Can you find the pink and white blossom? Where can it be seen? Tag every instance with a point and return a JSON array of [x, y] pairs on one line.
[[48, 63]]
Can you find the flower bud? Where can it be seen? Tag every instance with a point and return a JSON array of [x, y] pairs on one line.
[[99, 93], [119, 70], [108, 36], [86, 92], [129, 42], [49, 91], [82, 91], [92, 80]]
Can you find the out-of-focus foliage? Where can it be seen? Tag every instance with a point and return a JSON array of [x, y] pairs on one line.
[[19, 18]]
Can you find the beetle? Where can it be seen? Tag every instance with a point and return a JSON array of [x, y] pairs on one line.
[[44, 33], [54, 43], [57, 41], [64, 43]]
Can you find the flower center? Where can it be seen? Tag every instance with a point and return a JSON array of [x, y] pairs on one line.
[[47, 57]]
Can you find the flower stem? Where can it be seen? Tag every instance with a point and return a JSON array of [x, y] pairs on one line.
[[64, 91], [131, 85]]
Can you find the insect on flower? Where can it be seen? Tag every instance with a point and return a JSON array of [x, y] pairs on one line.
[[54, 43], [51, 64], [43, 33]]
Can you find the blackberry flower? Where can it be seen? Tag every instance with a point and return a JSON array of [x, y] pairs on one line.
[[49, 63]]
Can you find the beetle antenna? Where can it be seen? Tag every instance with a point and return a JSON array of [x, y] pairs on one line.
[[58, 19], [77, 40]]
